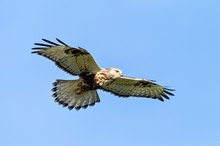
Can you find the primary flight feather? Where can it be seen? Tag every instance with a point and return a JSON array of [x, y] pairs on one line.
[[82, 93]]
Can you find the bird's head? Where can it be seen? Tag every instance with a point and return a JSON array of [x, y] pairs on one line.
[[114, 72]]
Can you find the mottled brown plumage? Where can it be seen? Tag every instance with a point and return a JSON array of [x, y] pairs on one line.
[[82, 93]]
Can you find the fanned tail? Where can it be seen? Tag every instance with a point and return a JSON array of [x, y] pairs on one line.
[[70, 93]]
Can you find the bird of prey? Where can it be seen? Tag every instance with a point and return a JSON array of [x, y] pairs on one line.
[[82, 92]]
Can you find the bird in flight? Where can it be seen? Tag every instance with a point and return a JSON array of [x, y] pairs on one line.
[[82, 92]]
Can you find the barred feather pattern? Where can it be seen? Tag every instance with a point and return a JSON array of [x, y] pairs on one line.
[[71, 94]]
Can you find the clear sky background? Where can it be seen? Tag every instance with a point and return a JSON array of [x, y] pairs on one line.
[[175, 42]]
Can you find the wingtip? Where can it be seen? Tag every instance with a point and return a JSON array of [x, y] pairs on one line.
[[169, 89], [169, 93], [161, 99], [165, 96], [36, 43], [50, 42], [34, 52], [61, 42], [37, 48], [43, 45]]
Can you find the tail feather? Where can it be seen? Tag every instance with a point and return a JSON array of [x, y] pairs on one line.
[[68, 93]]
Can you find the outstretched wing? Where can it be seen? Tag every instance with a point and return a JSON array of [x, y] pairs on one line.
[[72, 60], [125, 87]]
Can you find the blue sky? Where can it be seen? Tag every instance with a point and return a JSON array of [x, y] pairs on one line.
[[175, 42]]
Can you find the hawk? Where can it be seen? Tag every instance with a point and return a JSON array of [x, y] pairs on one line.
[[82, 92]]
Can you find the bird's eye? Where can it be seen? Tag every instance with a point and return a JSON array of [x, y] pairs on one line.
[[117, 70]]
